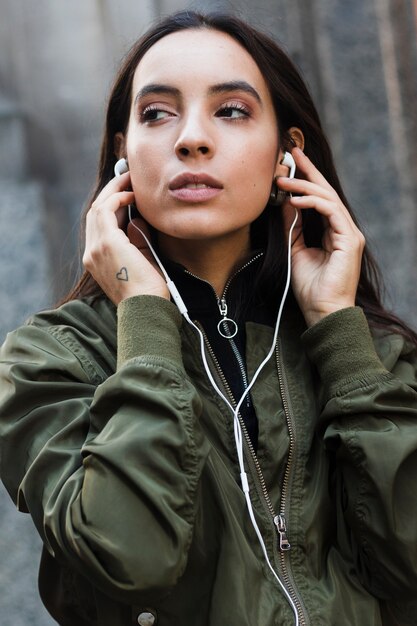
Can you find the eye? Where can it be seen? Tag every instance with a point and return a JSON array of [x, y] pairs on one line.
[[153, 113], [233, 110]]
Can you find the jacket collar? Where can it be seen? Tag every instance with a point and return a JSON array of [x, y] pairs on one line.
[[201, 299]]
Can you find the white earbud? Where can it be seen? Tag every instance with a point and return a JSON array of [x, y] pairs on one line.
[[121, 167], [288, 160]]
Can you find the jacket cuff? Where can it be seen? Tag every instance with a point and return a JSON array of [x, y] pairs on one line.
[[148, 326], [341, 347]]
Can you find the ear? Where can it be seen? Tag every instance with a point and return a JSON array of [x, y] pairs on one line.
[[296, 137], [293, 137], [119, 145]]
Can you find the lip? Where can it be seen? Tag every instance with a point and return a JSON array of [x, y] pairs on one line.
[[188, 178], [179, 190]]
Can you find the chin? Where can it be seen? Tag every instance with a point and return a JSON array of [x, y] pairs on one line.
[[196, 234], [205, 224]]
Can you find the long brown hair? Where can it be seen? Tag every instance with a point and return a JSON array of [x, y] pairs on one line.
[[293, 107]]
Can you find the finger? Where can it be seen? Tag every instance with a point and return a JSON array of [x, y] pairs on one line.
[[116, 184], [308, 168], [113, 210], [113, 202], [306, 188], [341, 231], [339, 219], [106, 221]]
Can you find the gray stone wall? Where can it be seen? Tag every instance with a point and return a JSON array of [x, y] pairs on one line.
[[57, 59]]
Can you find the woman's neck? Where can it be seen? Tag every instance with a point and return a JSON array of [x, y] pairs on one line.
[[211, 260]]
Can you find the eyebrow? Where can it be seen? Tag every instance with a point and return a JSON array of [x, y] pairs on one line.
[[235, 85], [227, 87], [156, 88]]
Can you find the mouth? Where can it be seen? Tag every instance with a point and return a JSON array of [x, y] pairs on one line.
[[194, 188], [188, 180]]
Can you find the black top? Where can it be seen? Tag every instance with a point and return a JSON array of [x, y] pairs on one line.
[[203, 306]]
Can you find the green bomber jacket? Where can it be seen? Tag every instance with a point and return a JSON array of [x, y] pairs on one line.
[[114, 441]]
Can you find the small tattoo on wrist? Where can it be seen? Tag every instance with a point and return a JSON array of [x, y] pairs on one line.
[[122, 274]]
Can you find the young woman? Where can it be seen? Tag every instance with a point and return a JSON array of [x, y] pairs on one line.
[[157, 501]]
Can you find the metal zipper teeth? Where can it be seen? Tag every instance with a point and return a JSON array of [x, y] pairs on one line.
[[288, 580], [291, 448], [241, 366], [229, 281], [252, 260]]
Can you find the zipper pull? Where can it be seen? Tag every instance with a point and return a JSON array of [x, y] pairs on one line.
[[221, 302], [229, 330], [281, 524]]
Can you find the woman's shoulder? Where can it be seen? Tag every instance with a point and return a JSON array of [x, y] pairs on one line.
[[88, 314], [82, 330]]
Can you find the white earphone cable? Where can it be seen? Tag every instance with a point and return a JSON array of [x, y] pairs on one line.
[[235, 410]]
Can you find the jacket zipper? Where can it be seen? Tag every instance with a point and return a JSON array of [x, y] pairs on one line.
[[280, 519]]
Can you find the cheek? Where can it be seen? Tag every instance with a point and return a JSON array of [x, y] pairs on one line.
[[258, 156], [257, 174], [145, 173], [144, 165]]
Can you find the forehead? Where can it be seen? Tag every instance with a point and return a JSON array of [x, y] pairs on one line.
[[208, 54]]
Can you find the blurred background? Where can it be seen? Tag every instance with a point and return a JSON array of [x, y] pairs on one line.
[[57, 60]]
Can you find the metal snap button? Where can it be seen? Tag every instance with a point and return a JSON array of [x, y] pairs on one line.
[[146, 619]]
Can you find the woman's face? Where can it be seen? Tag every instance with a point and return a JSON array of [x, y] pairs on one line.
[[202, 139]]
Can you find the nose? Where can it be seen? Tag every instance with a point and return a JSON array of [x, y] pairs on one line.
[[195, 139]]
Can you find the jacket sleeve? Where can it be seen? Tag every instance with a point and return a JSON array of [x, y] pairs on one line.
[[109, 472], [369, 425]]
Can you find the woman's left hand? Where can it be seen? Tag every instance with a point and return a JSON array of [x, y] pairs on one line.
[[324, 279]]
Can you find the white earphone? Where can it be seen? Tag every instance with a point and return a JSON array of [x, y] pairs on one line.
[[121, 167], [288, 160]]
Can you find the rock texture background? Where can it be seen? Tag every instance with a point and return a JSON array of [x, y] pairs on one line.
[[56, 66]]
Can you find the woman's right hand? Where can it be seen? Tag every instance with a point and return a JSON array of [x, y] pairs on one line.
[[122, 265]]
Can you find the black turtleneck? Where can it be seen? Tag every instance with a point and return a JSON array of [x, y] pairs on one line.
[[202, 304]]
